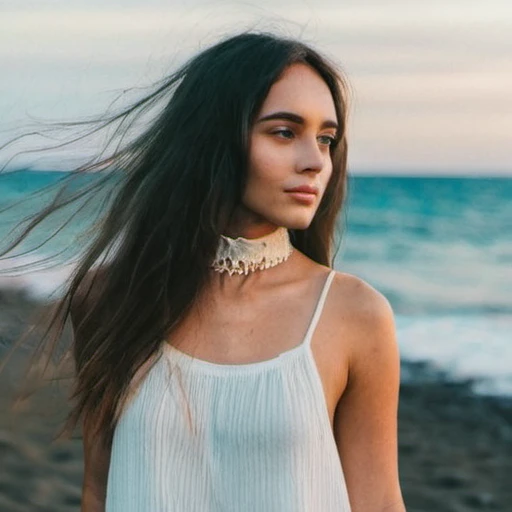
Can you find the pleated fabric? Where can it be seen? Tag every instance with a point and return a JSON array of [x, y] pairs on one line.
[[199, 436]]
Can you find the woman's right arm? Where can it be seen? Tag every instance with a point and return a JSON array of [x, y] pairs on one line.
[[96, 456], [96, 464]]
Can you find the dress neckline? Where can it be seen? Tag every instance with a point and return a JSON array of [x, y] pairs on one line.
[[202, 364]]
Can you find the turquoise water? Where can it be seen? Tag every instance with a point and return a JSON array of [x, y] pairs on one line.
[[440, 249]]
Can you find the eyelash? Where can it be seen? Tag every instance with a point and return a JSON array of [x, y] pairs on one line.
[[332, 140]]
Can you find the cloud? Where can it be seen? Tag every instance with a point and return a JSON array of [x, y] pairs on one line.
[[430, 79]]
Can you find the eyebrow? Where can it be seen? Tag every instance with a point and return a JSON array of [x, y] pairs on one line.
[[295, 118]]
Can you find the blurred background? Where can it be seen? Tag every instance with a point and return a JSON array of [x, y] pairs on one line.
[[428, 220]]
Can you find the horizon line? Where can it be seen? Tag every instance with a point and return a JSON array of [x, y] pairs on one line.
[[361, 172]]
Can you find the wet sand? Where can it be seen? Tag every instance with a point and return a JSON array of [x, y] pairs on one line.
[[455, 448]]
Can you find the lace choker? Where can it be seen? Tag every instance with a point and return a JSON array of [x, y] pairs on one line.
[[243, 255]]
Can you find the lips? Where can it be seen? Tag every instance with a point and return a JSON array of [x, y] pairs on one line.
[[305, 189], [304, 194]]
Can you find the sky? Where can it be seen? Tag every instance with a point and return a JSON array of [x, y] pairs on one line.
[[431, 82]]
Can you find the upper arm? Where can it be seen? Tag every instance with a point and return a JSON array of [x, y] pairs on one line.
[[365, 422], [96, 456], [96, 466]]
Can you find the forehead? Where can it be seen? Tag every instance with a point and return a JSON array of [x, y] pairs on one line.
[[300, 89]]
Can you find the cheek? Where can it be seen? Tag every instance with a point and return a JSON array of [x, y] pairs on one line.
[[327, 174], [267, 163]]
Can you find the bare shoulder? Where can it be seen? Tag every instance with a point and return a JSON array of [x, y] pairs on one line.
[[365, 317], [362, 299]]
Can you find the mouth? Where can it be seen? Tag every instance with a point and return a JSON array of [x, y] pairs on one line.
[[304, 194]]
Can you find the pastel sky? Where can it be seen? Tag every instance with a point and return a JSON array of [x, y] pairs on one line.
[[431, 81]]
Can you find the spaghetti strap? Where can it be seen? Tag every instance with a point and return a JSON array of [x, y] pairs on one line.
[[319, 308]]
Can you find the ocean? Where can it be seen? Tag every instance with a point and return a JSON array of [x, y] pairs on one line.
[[440, 250]]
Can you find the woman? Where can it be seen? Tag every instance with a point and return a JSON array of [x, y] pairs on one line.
[[221, 364]]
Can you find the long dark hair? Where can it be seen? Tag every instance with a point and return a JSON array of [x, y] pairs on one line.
[[177, 184]]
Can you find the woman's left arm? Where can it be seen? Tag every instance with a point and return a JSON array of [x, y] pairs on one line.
[[365, 422]]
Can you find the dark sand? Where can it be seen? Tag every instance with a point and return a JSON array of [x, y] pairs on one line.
[[455, 448]]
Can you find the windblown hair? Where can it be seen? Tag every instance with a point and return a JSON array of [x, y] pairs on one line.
[[178, 183]]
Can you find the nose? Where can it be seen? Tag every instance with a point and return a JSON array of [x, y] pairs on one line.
[[311, 157]]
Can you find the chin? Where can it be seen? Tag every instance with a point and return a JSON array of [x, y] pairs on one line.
[[295, 223], [300, 226], [291, 219]]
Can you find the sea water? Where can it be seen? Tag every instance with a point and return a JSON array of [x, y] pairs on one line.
[[440, 250]]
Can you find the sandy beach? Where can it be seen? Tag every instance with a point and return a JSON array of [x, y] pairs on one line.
[[455, 448]]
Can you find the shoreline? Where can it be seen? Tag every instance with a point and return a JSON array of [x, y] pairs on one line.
[[455, 446]]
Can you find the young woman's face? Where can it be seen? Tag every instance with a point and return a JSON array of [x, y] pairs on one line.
[[289, 148]]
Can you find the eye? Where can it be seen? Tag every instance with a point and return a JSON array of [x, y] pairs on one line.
[[285, 133], [327, 140]]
